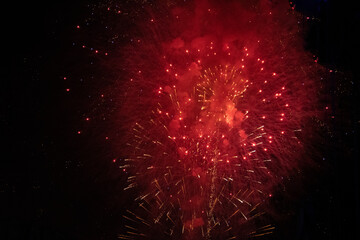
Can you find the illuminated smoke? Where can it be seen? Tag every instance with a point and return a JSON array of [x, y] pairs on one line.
[[213, 106]]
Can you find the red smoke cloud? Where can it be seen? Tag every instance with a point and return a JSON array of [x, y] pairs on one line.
[[218, 97]]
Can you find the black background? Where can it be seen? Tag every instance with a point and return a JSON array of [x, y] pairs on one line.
[[46, 192]]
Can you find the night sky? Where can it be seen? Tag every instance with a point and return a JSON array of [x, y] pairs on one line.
[[58, 183]]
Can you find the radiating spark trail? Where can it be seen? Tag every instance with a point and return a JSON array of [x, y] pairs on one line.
[[212, 115]]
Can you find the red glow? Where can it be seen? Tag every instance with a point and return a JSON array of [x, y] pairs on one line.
[[227, 127]]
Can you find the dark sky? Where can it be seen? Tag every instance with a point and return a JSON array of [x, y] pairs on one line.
[[46, 192]]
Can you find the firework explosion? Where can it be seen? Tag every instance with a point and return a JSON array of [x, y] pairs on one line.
[[214, 102]]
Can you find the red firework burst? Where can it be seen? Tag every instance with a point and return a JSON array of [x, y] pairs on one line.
[[213, 110]]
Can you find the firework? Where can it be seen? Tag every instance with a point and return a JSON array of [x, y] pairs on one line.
[[212, 110]]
